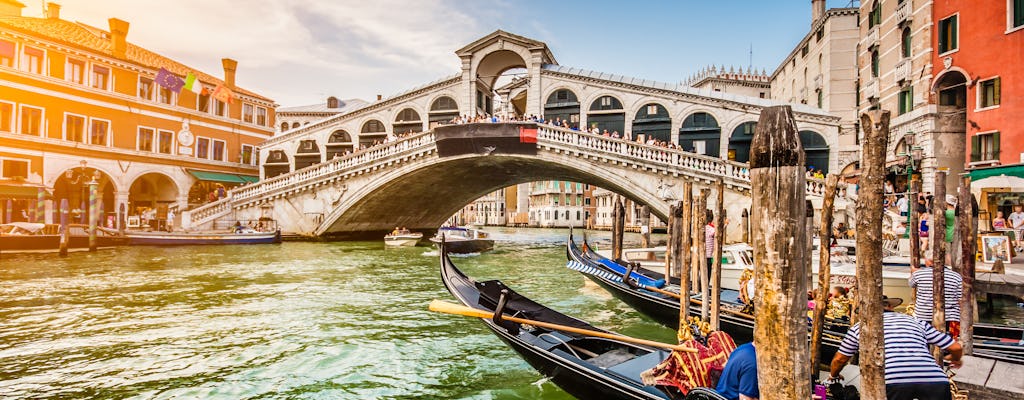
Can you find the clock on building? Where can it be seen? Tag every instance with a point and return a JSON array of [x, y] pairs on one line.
[[185, 138]]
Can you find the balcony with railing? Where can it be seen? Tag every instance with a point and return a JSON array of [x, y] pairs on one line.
[[903, 69], [871, 89], [870, 39], [904, 11]]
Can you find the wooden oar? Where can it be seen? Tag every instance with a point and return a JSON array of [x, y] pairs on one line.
[[662, 291], [450, 308]]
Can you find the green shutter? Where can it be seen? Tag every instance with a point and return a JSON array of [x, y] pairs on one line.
[[952, 33], [975, 148], [1018, 13], [995, 92], [910, 99], [995, 146]]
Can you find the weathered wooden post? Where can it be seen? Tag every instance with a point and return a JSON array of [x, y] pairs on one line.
[[93, 217], [677, 244], [645, 226], [809, 211], [716, 265], [121, 217], [64, 234], [938, 235], [745, 225], [780, 254], [824, 271], [700, 222], [618, 226], [686, 234], [869, 254], [669, 243], [965, 224], [40, 215]]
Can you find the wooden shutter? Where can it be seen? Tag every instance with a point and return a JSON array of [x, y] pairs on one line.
[[975, 148], [995, 146], [995, 92]]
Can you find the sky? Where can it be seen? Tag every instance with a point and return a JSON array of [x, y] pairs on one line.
[[301, 52]]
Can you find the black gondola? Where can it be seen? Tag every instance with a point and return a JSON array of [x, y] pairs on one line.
[[665, 309], [586, 367], [999, 342]]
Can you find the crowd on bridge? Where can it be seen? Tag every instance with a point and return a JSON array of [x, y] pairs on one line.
[[564, 124]]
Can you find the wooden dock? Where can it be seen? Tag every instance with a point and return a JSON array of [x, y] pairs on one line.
[[990, 379], [1009, 284]]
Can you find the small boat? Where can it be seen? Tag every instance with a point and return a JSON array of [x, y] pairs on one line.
[[27, 237], [585, 366], [463, 240], [244, 236], [402, 238]]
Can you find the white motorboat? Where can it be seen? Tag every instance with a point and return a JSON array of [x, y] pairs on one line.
[[402, 238]]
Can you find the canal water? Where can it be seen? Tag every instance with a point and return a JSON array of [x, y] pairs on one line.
[[344, 320]]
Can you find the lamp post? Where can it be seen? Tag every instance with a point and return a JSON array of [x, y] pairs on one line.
[[914, 157]]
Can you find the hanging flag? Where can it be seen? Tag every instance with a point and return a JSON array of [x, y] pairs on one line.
[[192, 84], [223, 94], [168, 80]]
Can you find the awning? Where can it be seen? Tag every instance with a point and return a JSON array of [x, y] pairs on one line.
[[1016, 170], [20, 192], [222, 177]]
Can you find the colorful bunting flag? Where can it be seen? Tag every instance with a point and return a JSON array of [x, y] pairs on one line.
[[223, 94], [192, 84], [168, 80]]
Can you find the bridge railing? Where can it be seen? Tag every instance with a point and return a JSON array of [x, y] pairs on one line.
[[313, 173], [712, 166]]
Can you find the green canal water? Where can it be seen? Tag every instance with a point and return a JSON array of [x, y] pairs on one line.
[[344, 320]]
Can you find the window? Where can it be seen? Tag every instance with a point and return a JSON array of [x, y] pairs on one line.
[[219, 107], [606, 101], [247, 112], [32, 60], [985, 147], [218, 150], [1017, 16], [203, 101], [31, 120], [906, 100], [261, 116], [14, 169], [100, 77], [818, 35], [875, 17], [906, 42], [99, 132], [165, 95], [74, 71], [247, 152], [7, 52], [948, 34], [165, 142], [803, 51], [988, 93], [144, 140], [74, 128], [203, 147], [874, 63], [146, 88], [652, 109], [6, 117]]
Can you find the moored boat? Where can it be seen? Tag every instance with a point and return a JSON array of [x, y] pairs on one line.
[[26, 237], [248, 236], [463, 240], [402, 238], [585, 366]]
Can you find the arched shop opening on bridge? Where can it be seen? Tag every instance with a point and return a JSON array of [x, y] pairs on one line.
[[407, 121], [563, 104], [150, 197], [339, 144], [277, 163], [442, 110], [700, 134], [73, 185], [211, 186], [815, 150], [509, 66], [606, 114], [739, 142], [653, 122], [307, 153], [372, 132]]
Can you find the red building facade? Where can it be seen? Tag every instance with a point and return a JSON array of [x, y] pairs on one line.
[[978, 64]]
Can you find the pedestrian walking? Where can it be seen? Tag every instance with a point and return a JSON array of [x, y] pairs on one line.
[[910, 371]]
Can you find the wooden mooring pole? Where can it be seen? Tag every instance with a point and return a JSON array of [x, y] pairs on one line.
[[670, 244], [778, 191], [65, 234], [938, 236], [824, 271], [645, 226], [966, 225], [716, 265], [683, 254], [869, 254], [618, 226], [700, 222]]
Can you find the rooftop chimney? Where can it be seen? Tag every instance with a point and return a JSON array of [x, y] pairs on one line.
[[52, 11], [229, 72], [817, 10], [332, 102], [379, 97], [118, 37], [10, 8]]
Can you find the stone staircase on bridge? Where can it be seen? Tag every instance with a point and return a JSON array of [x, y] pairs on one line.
[[595, 148]]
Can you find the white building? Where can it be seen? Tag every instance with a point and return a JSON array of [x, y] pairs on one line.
[[557, 204]]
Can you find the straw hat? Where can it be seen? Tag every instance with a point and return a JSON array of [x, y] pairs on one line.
[[950, 199], [892, 302]]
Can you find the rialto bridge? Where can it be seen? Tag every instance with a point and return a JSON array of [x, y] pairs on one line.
[[328, 177]]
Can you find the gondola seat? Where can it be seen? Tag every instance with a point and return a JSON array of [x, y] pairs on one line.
[[633, 368]]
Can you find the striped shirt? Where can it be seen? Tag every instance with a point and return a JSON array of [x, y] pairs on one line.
[[907, 359], [954, 289]]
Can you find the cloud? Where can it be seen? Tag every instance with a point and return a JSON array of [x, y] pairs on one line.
[[361, 47]]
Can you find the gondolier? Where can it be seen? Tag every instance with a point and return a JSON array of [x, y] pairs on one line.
[[910, 370], [921, 282]]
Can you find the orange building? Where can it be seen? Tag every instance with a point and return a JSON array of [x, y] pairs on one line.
[[79, 103]]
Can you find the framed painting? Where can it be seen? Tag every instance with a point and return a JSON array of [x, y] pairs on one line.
[[995, 248]]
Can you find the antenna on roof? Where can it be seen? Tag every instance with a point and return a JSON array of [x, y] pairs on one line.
[[751, 64]]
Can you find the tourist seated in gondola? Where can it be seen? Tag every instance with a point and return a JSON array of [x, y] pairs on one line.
[[739, 378], [684, 371]]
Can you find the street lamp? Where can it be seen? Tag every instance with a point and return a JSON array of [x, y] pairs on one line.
[[914, 157]]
